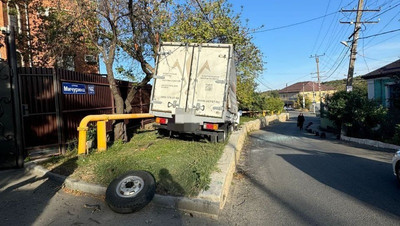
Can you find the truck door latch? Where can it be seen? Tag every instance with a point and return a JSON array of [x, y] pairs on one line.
[[200, 107], [174, 104]]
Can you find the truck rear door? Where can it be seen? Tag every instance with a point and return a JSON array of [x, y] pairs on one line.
[[208, 79], [172, 78]]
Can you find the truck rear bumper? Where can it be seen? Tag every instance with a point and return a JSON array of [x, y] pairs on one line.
[[188, 128]]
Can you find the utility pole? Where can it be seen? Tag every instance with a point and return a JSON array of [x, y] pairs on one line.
[[313, 96], [353, 50], [318, 77], [304, 102]]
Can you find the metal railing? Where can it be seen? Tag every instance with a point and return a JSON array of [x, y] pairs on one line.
[[101, 128]]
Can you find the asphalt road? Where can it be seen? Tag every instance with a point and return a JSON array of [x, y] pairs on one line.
[[285, 177], [290, 177]]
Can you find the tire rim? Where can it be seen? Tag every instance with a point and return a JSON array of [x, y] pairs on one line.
[[129, 186]]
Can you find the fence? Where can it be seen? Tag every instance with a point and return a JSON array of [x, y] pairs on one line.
[[54, 101]]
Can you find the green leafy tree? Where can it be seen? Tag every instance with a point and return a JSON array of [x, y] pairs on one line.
[[354, 111], [274, 104], [307, 100], [112, 28], [214, 21], [133, 29], [274, 93]]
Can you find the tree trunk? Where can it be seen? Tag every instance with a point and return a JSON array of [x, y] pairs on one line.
[[119, 125]]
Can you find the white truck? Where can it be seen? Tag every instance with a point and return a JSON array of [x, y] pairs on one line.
[[194, 90]]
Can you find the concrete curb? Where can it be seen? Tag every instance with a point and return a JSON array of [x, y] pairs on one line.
[[368, 142], [208, 202]]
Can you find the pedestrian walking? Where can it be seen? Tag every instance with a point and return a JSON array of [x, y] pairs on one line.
[[300, 121]]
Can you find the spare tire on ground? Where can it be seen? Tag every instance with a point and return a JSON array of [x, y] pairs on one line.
[[131, 191]]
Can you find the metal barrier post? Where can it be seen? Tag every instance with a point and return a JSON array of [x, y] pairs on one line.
[[101, 128], [101, 136]]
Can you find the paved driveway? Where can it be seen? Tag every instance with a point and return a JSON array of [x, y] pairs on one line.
[[290, 177]]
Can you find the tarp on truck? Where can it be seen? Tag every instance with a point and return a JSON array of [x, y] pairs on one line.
[[195, 76]]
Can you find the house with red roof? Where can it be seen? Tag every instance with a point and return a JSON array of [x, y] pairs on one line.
[[310, 90]]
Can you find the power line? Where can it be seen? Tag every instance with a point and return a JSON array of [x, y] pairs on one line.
[[329, 28], [295, 24], [206, 16], [262, 83], [383, 33], [387, 24], [382, 41], [341, 61], [383, 12], [322, 24]]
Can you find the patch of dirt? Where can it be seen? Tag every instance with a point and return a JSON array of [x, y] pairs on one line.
[[80, 193], [238, 176]]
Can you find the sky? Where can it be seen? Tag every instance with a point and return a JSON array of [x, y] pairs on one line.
[[287, 40], [287, 51]]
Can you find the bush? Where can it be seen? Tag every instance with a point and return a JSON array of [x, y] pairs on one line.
[[274, 104], [299, 101], [355, 112], [262, 102]]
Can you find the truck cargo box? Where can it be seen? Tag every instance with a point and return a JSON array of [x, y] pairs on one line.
[[195, 84]]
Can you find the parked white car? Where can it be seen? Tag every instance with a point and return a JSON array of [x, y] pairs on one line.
[[396, 165]]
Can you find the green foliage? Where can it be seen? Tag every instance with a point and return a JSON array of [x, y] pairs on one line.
[[271, 104], [274, 104], [181, 168], [274, 93], [340, 85], [355, 111], [214, 21], [396, 137], [307, 100]]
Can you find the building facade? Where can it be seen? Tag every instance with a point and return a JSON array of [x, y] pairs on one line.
[[25, 18], [383, 85], [310, 90]]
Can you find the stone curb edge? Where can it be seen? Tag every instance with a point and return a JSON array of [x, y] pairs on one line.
[[208, 202], [372, 143]]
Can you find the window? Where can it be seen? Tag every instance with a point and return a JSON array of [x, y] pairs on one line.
[[14, 17], [394, 96], [66, 62], [20, 60]]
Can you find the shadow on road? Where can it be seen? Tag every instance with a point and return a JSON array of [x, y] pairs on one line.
[[366, 180], [24, 196], [301, 213]]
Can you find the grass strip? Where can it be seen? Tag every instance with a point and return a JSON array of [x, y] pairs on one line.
[[180, 167]]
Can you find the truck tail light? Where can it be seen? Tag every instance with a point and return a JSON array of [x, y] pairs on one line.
[[210, 126], [161, 120]]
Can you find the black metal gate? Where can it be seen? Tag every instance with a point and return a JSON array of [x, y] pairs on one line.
[[9, 151]]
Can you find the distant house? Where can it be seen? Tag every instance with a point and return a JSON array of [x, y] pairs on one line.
[[309, 89], [382, 85]]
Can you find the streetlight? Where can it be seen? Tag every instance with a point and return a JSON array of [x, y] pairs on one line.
[[345, 43]]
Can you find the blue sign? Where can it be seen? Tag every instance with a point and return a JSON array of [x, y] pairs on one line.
[[90, 89], [73, 88]]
